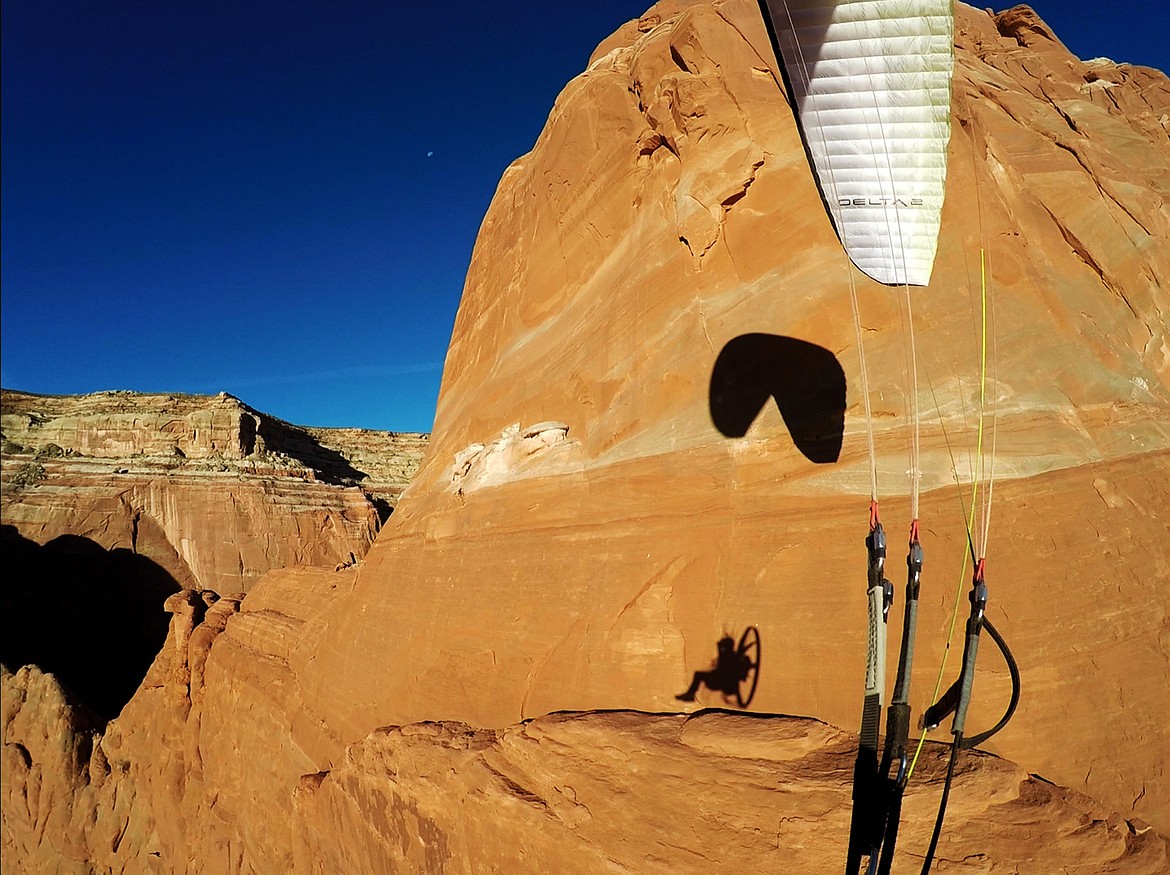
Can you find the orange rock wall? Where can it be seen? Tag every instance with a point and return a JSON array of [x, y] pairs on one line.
[[213, 491], [173, 784], [120, 424], [221, 532], [581, 532], [667, 210]]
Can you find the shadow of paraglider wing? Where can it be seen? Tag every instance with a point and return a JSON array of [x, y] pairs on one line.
[[806, 382]]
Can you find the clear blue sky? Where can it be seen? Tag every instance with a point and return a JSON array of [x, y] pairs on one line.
[[279, 199]]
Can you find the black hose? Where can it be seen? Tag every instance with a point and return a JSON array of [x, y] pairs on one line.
[[893, 820], [942, 808], [1014, 671], [975, 740]]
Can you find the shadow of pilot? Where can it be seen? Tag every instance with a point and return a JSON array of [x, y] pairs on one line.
[[729, 670]]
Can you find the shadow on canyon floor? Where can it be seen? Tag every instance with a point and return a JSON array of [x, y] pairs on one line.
[[805, 380], [93, 617]]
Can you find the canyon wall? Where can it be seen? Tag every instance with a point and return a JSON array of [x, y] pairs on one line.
[[651, 433], [214, 491], [641, 441]]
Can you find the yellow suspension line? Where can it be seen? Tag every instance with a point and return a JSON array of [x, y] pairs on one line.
[[970, 523]]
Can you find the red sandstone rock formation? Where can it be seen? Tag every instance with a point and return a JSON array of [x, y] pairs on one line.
[[215, 492], [112, 502], [668, 212], [582, 532], [240, 774]]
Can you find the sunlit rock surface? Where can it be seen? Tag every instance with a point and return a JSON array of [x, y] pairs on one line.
[[241, 779], [112, 502], [663, 239], [212, 490], [651, 434]]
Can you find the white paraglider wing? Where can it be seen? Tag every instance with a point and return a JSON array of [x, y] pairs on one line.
[[872, 85]]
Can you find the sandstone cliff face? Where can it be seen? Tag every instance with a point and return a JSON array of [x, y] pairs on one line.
[[215, 492], [601, 503], [222, 763], [665, 227], [112, 502]]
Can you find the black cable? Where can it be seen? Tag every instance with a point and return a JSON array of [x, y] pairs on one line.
[[1014, 672], [975, 740], [893, 819], [942, 808]]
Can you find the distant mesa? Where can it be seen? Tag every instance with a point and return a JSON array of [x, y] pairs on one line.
[[163, 475]]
